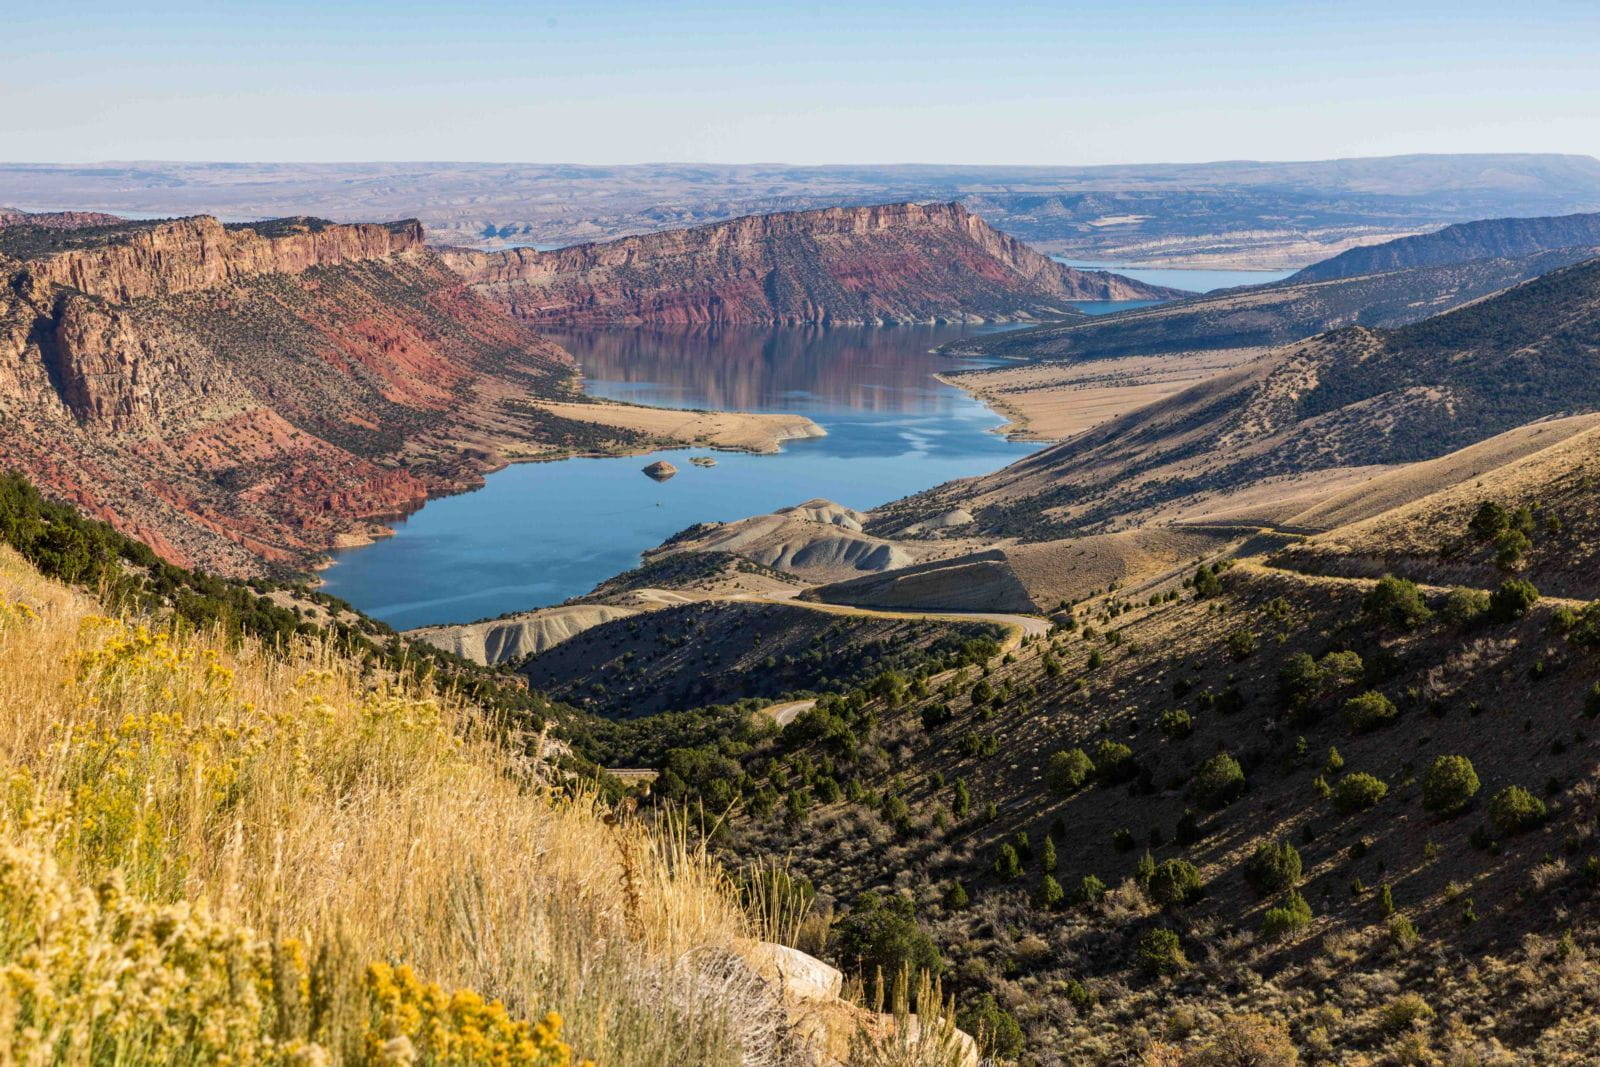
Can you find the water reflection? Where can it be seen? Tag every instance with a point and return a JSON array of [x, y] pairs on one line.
[[808, 369]]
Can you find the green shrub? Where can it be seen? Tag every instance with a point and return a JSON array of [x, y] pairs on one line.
[[1050, 894], [1449, 785], [1488, 521], [1206, 583], [1047, 855], [1068, 770], [1290, 917], [1160, 953], [1091, 890], [1514, 809], [1512, 600], [960, 799], [1357, 792], [1463, 606], [1007, 865], [1113, 762], [1369, 711], [1177, 723], [955, 897], [1241, 643], [1509, 548], [996, 1030], [1274, 867], [880, 935], [1174, 883], [1403, 932], [1219, 781], [1397, 603], [1403, 1013]]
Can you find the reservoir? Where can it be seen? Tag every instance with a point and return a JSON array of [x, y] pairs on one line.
[[539, 533]]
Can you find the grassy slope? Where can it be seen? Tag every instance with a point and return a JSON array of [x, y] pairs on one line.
[[363, 818]]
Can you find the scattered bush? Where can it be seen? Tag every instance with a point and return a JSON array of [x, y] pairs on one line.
[[1274, 867], [1358, 792], [1449, 785], [1463, 606], [1489, 521], [1050, 895], [1512, 600], [1397, 603], [1290, 917], [1114, 763], [880, 936], [1160, 954], [1369, 711], [1177, 723], [997, 1031], [1174, 883], [1404, 1012], [1240, 643], [1007, 865], [1514, 809], [1067, 771], [1219, 781], [1091, 890], [1248, 1041]]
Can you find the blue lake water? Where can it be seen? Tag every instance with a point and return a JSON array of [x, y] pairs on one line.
[[1194, 280], [539, 533]]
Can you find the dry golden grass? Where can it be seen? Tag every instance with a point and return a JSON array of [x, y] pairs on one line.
[[284, 793]]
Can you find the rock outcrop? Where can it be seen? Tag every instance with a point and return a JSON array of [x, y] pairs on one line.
[[238, 394], [892, 263]]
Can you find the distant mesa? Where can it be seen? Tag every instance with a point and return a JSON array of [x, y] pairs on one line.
[[883, 264], [660, 470]]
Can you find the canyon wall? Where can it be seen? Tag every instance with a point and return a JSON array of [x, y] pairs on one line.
[[234, 395], [893, 263]]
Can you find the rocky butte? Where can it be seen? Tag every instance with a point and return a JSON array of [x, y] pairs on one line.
[[892, 263]]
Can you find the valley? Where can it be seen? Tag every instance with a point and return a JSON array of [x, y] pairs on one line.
[[1219, 670]]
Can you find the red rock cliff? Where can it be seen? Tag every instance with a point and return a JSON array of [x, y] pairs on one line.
[[186, 255], [886, 263]]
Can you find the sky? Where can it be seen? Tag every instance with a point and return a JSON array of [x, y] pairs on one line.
[[879, 81]]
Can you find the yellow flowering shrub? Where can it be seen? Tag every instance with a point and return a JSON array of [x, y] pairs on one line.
[[418, 1021]]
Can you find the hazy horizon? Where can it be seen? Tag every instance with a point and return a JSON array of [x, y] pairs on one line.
[[620, 83]]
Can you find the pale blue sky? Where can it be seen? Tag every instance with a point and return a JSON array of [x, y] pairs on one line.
[[879, 81]]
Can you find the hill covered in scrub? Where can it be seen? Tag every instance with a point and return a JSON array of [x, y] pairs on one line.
[[1486, 239], [890, 263], [1276, 314], [1334, 821], [1345, 399], [237, 836]]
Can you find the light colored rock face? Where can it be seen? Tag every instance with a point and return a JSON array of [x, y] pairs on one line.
[[887, 263], [830, 1026], [819, 541], [506, 640], [828, 513]]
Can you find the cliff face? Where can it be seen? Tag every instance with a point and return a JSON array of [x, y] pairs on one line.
[[892, 263], [186, 255], [236, 394]]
